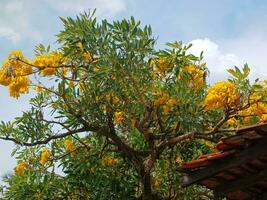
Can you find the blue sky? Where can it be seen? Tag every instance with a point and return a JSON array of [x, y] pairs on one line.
[[231, 32]]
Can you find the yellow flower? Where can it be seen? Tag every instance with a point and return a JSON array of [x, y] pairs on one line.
[[113, 99], [14, 74], [96, 69], [161, 65], [19, 85], [48, 64], [21, 167], [162, 98], [80, 46], [157, 183], [45, 155], [88, 57], [255, 98], [179, 160], [209, 144], [263, 118], [256, 109], [92, 169], [96, 99], [6, 74], [104, 108], [109, 161], [118, 117], [38, 196], [221, 95], [247, 120], [196, 76], [232, 122], [169, 105], [69, 146]]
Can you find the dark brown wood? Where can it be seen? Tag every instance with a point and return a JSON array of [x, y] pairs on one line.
[[239, 184], [262, 126], [263, 196], [257, 150]]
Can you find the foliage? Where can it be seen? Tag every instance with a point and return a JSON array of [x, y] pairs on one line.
[[117, 116]]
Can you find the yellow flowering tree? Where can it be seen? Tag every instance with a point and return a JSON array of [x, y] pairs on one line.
[[117, 116]]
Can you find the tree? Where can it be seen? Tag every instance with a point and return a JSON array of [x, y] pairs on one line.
[[117, 115]]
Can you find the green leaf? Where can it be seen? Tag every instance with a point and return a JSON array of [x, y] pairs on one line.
[[246, 70]]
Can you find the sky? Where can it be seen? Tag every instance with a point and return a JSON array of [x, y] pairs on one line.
[[230, 32]]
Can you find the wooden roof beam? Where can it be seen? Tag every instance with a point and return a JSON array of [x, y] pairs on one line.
[[255, 151], [241, 183]]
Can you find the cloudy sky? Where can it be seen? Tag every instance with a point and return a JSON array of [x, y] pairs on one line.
[[230, 32]]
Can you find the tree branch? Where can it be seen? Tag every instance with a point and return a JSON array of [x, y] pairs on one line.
[[45, 141]]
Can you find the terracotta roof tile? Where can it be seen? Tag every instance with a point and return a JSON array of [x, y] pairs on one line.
[[227, 147], [205, 160]]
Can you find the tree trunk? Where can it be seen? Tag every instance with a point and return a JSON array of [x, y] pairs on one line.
[[146, 186], [147, 192]]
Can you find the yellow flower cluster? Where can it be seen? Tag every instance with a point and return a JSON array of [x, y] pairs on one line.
[[69, 146], [196, 75], [45, 155], [88, 57], [162, 98], [14, 74], [168, 106], [109, 161], [256, 109], [19, 85], [162, 65], [38, 196], [48, 64], [209, 144], [16, 69], [232, 122], [255, 98], [118, 117], [157, 183], [21, 167], [113, 99], [179, 160], [221, 95]]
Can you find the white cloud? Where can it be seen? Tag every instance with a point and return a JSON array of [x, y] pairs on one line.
[[252, 49], [10, 34], [105, 8], [217, 61], [249, 48], [15, 21], [16, 15]]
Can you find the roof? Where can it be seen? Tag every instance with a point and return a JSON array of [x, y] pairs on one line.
[[238, 170]]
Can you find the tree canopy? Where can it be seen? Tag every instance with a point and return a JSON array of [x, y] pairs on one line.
[[114, 117]]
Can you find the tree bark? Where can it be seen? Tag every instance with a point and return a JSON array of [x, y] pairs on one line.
[[146, 186], [147, 191]]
